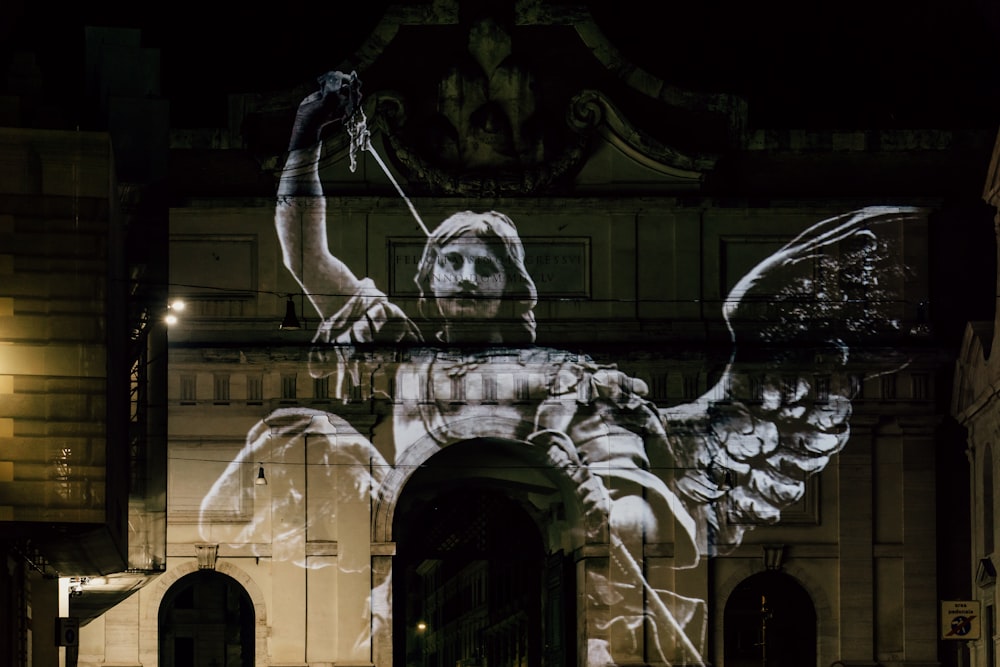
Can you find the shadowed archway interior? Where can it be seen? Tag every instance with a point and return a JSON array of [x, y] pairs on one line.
[[473, 581], [206, 619], [770, 621]]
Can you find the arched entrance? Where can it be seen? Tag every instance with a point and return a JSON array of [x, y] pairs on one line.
[[770, 621], [206, 619], [474, 583]]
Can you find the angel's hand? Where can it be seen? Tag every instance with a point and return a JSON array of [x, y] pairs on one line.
[[338, 98], [560, 453]]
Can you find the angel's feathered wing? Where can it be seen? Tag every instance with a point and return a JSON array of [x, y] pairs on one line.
[[781, 408]]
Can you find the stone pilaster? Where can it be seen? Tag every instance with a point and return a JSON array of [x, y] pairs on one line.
[[857, 641]]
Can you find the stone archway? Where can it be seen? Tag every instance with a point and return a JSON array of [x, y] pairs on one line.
[[501, 489], [149, 635], [814, 583], [769, 620], [206, 620]]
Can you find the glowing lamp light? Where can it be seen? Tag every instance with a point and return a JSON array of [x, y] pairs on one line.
[[174, 307]]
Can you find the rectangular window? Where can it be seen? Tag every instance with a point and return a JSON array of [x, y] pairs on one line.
[[822, 387], [255, 389], [489, 389], [220, 392], [189, 389], [321, 388], [522, 391], [723, 390], [690, 385], [289, 387], [660, 386], [789, 387], [889, 386], [353, 389], [920, 386], [857, 386], [458, 388]]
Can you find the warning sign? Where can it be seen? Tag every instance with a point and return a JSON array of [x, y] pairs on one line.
[[960, 619]]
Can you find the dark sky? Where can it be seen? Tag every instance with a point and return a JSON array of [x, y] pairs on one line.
[[824, 63], [880, 63], [208, 49]]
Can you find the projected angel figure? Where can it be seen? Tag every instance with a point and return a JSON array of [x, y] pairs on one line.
[[743, 451]]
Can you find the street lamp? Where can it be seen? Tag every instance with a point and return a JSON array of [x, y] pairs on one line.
[[291, 320], [173, 308]]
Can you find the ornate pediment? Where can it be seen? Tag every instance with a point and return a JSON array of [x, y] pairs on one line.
[[975, 375], [525, 99], [986, 573]]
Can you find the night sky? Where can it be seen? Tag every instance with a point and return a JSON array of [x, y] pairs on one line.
[[821, 64]]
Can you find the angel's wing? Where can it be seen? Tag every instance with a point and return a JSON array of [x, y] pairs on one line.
[[782, 406]]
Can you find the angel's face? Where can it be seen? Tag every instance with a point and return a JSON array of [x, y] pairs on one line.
[[468, 280]]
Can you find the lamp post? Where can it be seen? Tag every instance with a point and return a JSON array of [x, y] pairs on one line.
[[765, 615], [147, 434], [421, 628]]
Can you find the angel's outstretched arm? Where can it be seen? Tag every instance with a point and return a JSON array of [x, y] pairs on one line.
[[300, 212]]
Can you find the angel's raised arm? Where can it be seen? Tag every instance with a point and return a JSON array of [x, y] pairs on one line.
[[300, 212]]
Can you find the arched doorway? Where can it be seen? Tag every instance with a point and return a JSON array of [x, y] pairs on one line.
[[206, 619], [473, 582], [770, 621]]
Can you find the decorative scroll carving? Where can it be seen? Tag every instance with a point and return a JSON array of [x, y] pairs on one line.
[[438, 177], [592, 111], [494, 132]]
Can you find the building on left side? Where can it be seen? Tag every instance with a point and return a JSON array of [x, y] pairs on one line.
[[82, 347]]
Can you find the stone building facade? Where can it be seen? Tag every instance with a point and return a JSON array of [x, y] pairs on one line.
[[974, 407], [722, 443]]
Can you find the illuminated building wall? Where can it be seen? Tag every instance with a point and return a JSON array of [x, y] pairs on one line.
[[697, 423], [358, 460], [61, 243], [63, 485], [82, 350]]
